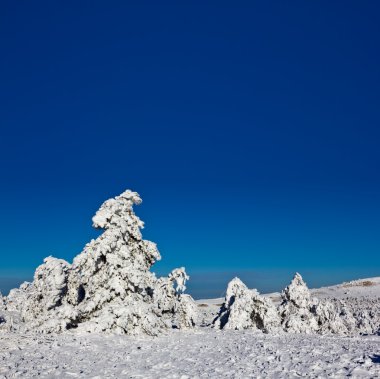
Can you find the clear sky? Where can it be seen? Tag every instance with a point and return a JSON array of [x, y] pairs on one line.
[[250, 129]]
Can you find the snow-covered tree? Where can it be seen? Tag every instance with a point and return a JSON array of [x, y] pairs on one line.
[[246, 309], [298, 312], [109, 285], [295, 309]]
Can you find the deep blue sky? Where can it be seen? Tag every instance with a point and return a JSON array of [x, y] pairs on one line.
[[250, 129]]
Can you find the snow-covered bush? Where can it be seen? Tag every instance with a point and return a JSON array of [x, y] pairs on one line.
[[298, 312], [246, 309], [108, 287], [295, 309]]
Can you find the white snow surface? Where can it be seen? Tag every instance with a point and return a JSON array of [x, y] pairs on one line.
[[198, 353]]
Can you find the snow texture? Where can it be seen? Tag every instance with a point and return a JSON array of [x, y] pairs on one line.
[[202, 353], [108, 287], [298, 312]]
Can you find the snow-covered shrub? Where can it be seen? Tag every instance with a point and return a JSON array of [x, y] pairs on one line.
[[353, 316], [108, 287], [298, 312], [295, 309], [186, 313], [246, 309]]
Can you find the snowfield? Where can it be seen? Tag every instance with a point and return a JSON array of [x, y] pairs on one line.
[[203, 352], [183, 354]]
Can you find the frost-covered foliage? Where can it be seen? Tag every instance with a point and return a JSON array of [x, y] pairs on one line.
[[108, 287], [298, 312], [295, 310], [179, 275], [246, 309], [187, 312]]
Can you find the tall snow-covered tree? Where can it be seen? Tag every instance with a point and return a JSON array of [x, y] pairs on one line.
[[108, 287]]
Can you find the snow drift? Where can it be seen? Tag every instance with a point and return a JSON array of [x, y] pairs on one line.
[[108, 287], [298, 312]]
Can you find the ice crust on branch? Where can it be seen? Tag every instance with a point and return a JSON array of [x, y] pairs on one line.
[[108, 287], [298, 312]]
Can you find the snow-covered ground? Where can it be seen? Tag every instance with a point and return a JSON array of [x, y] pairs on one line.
[[199, 353], [183, 354]]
